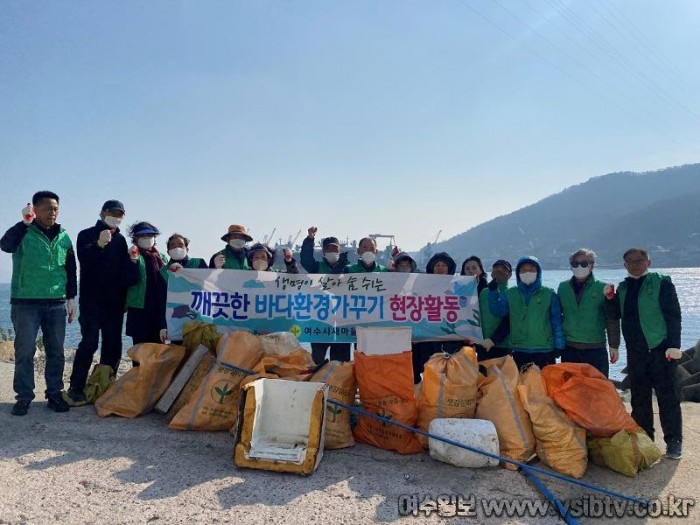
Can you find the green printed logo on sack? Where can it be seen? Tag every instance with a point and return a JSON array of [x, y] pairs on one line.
[[222, 393], [295, 330], [334, 412]]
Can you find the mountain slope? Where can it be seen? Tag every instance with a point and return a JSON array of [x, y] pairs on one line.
[[607, 213]]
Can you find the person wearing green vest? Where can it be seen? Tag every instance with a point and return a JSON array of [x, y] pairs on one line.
[[179, 255], [648, 306], [144, 297], [535, 315], [367, 252], [261, 258], [333, 262], [495, 330], [44, 285], [234, 255], [585, 317]]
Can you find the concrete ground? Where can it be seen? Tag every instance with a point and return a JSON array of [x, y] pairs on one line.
[[78, 468]]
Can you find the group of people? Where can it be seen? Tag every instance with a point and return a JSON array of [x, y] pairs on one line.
[[579, 322]]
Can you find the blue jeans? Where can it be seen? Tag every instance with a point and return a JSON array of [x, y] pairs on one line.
[[27, 318]]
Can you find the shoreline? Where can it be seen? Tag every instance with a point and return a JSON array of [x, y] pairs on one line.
[[78, 468]]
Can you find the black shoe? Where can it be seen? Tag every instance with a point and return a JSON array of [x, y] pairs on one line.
[[673, 450], [57, 403], [21, 408], [74, 397]]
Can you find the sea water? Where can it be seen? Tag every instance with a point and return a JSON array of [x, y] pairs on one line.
[[687, 281]]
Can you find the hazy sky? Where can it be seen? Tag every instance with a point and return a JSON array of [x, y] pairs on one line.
[[398, 117]]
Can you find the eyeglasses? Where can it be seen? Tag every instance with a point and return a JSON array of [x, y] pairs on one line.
[[582, 264], [635, 262]]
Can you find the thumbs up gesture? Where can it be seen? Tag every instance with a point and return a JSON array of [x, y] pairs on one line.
[[312, 232]]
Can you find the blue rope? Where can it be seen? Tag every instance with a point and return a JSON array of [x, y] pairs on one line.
[[563, 512], [561, 477], [555, 475]]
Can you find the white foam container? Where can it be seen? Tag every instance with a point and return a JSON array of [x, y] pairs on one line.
[[476, 433], [383, 341]]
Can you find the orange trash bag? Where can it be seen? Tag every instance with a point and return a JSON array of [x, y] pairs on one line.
[[138, 391], [214, 405], [295, 366], [499, 402], [559, 442], [386, 388], [342, 386], [449, 388], [588, 398]]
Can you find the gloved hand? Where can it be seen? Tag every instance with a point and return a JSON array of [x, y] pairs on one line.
[[219, 261], [287, 254], [312, 232], [70, 309], [104, 239], [673, 353], [163, 335], [493, 285], [614, 355], [609, 291], [28, 214], [134, 253], [488, 344], [343, 259], [175, 267]]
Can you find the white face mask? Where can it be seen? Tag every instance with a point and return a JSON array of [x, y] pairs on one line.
[[146, 242], [637, 276], [236, 244], [368, 257], [259, 265], [581, 273], [332, 257], [177, 254], [112, 222], [528, 277]]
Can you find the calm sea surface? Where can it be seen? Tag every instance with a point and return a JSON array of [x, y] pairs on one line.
[[687, 281]]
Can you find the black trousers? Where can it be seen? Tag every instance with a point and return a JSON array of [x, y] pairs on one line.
[[496, 351], [651, 370], [93, 319], [541, 359], [339, 352], [597, 357]]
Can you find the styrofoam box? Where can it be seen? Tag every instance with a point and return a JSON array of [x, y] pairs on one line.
[[476, 433]]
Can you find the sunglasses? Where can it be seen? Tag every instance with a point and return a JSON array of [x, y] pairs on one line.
[[582, 264]]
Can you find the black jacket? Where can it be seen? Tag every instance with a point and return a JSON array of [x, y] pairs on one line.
[[103, 271]]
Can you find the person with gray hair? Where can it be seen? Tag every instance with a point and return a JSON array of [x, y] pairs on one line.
[[586, 318]]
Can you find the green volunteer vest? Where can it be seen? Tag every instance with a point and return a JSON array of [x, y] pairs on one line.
[[584, 322], [489, 322], [191, 263], [136, 294], [232, 262], [39, 266], [651, 316], [530, 326], [358, 267]]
